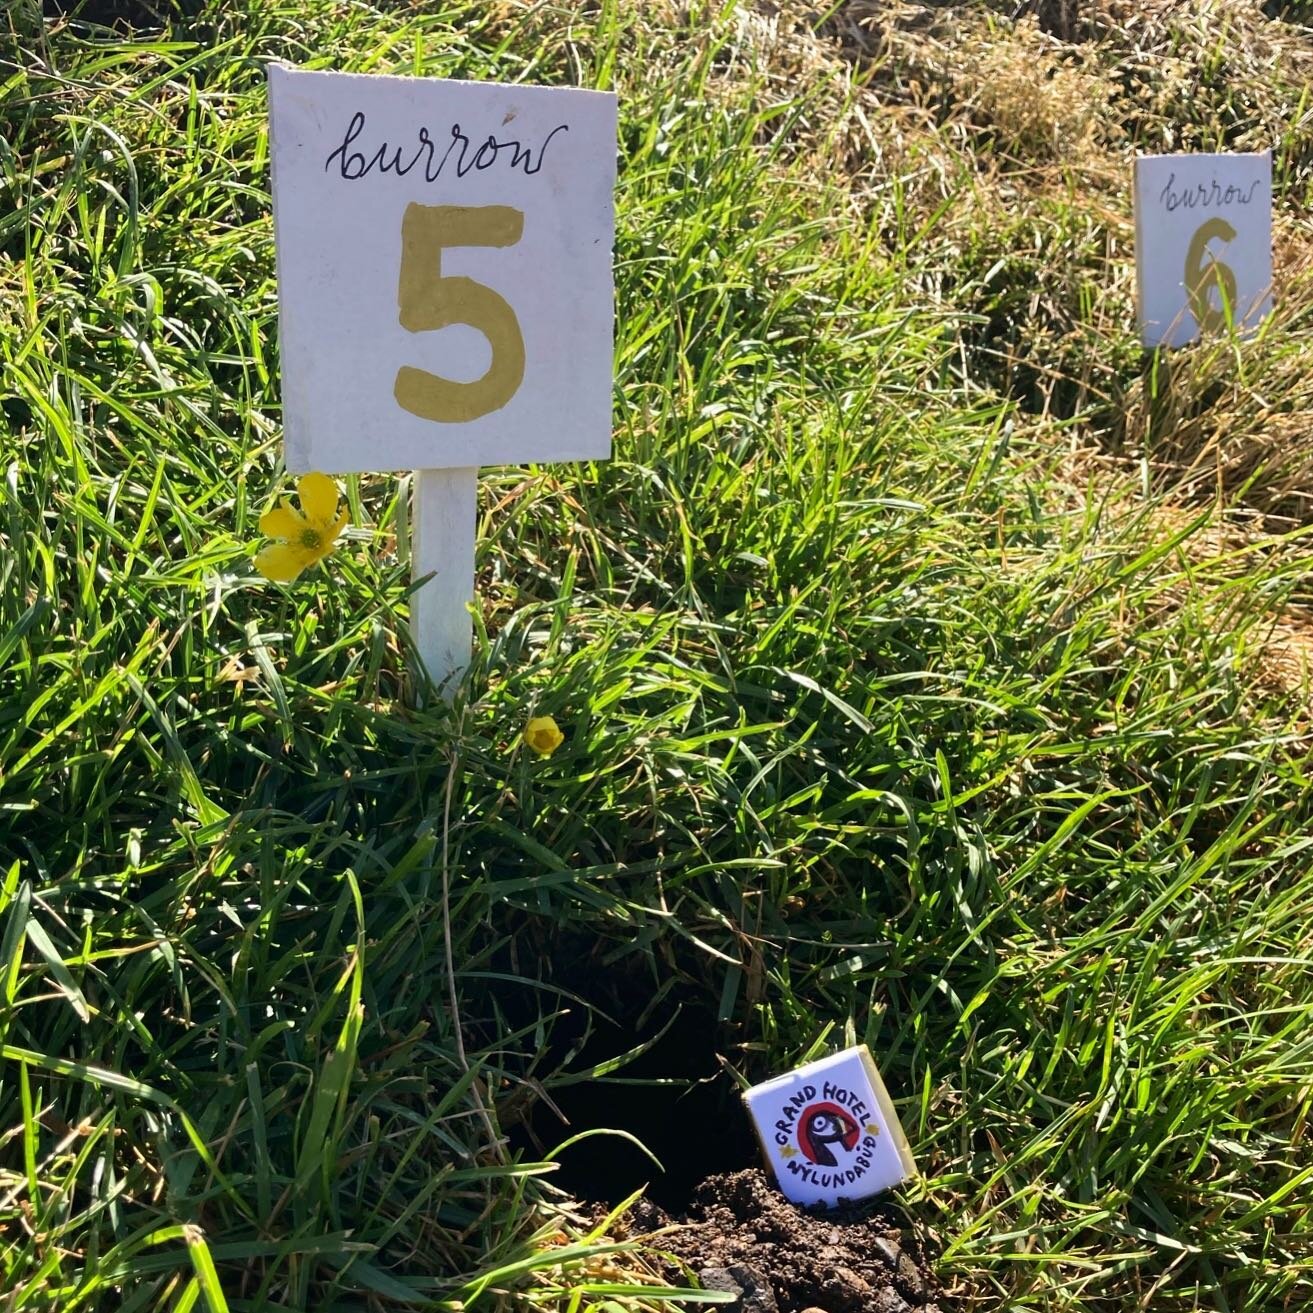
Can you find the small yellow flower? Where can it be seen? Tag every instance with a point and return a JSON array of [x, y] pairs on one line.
[[305, 536], [542, 735]]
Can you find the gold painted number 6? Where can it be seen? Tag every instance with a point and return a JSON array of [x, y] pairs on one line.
[[1201, 278], [427, 301]]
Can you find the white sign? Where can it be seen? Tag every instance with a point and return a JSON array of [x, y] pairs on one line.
[[444, 271], [444, 295], [829, 1130], [1203, 244]]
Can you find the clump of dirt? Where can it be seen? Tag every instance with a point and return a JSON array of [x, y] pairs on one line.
[[740, 1232]]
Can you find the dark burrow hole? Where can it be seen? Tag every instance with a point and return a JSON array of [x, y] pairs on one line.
[[137, 14], [676, 1096]]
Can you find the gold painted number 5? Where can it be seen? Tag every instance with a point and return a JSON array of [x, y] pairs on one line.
[[427, 301], [1201, 278]]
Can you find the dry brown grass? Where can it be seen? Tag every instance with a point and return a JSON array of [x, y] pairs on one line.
[[1045, 111], [1030, 96], [1286, 664], [1039, 104], [1215, 547], [987, 147], [1211, 552], [1236, 421]]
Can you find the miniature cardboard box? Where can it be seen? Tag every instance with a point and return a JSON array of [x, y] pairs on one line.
[[829, 1130]]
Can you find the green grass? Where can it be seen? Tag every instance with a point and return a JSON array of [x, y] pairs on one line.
[[906, 701]]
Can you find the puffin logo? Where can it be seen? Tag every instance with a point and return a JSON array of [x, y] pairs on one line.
[[827, 1136], [823, 1125]]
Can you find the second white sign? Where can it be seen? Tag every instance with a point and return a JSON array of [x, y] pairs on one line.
[[1203, 244]]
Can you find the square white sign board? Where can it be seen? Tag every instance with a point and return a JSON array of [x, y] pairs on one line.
[[444, 271], [829, 1130], [1203, 236]]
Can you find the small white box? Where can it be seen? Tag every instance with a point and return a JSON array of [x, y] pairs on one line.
[[829, 1130]]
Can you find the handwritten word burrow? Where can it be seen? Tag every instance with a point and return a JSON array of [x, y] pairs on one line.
[[352, 162]]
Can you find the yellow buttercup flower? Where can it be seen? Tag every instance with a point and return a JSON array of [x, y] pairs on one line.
[[305, 536], [542, 735]]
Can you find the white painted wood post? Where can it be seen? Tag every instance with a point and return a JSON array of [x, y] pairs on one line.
[[442, 545]]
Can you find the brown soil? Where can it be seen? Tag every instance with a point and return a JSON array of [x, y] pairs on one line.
[[740, 1231]]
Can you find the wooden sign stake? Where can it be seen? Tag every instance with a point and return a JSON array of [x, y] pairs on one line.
[[442, 546]]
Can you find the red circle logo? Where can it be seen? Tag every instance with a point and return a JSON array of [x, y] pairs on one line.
[[823, 1125]]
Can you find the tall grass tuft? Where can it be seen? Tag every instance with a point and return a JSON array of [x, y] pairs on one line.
[[928, 661]]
